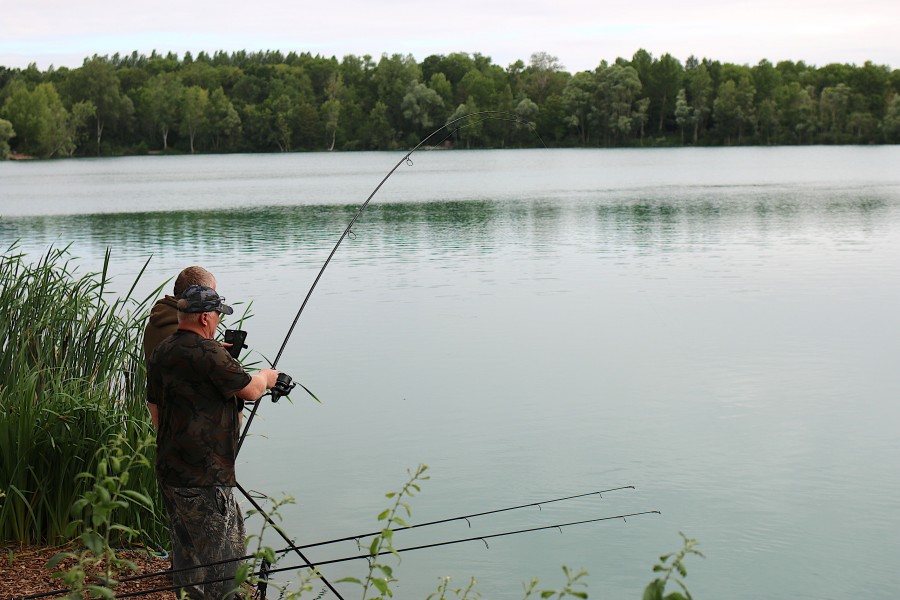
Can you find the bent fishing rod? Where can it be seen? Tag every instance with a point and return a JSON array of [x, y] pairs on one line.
[[482, 538], [284, 383], [454, 126]]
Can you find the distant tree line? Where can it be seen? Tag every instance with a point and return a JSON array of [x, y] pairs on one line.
[[268, 101]]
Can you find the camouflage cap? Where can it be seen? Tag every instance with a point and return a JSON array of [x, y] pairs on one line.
[[201, 299]]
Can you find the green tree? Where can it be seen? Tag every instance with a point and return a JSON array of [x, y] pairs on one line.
[[890, 126], [768, 119], [700, 87], [642, 115], [379, 134], [96, 81], [392, 78], [421, 107], [727, 111], [6, 133], [834, 105], [544, 77], [684, 114], [476, 86], [195, 109], [620, 88], [470, 129], [78, 124], [331, 108], [283, 112], [158, 104], [41, 120], [224, 120], [662, 89], [746, 93], [578, 98], [797, 113], [440, 84], [528, 112]]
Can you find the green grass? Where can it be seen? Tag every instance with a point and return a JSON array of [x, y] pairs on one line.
[[71, 378]]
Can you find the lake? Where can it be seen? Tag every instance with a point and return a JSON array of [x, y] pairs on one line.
[[717, 327]]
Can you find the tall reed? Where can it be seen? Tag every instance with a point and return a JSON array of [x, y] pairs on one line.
[[71, 378]]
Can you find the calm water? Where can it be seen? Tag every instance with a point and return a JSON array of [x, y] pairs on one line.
[[717, 327]]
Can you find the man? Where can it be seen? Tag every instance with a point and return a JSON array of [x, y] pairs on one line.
[[163, 320], [197, 390], [164, 316]]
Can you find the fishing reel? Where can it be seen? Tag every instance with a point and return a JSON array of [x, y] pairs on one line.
[[283, 386]]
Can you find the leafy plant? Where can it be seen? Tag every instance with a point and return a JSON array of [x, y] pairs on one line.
[[381, 575], [248, 576], [672, 565], [460, 593], [573, 581], [93, 516], [71, 378]]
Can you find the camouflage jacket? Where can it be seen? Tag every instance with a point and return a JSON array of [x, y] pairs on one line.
[[192, 380]]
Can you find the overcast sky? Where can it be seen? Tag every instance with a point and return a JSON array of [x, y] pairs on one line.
[[580, 33]]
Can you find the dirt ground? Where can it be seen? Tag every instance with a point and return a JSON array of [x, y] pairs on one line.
[[22, 573]]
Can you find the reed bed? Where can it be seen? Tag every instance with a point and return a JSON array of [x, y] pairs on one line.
[[71, 377]]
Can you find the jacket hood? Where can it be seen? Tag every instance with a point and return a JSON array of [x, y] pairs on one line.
[[162, 323]]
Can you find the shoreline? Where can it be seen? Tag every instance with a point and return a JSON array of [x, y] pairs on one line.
[[24, 573]]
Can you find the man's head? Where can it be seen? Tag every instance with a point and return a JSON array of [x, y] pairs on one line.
[[193, 276], [199, 310]]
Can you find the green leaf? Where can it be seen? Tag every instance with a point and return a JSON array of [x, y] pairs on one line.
[[102, 590], [373, 547], [308, 391], [56, 560], [578, 594], [93, 541], [349, 580], [387, 570], [138, 497], [547, 593], [384, 514], [654, 590], [242, 573], [381, 584]]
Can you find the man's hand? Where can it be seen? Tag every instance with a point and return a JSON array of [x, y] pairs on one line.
[[271, 376], [259, 383]]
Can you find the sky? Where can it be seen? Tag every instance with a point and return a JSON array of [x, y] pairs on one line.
[[580, 33]]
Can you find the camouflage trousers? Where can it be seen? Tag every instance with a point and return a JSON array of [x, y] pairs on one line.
[[206, 527]]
